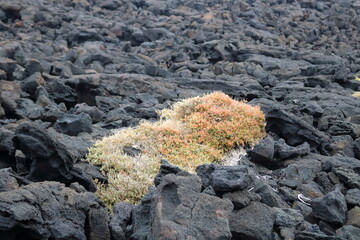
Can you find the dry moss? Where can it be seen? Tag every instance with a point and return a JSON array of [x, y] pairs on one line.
[[194, 131]]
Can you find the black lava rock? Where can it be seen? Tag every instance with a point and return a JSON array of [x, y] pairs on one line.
[[331, 207], [73, 125]]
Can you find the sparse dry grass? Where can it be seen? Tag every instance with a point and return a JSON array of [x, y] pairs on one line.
[[194, 131]]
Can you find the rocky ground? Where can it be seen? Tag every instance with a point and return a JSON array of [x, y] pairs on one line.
[[71, 71]]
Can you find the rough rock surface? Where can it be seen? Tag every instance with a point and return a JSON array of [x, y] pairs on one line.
[[180, 210], [331, 207], [49, 210], [49, 158], [72, 71], [8, 180], [255, 221]]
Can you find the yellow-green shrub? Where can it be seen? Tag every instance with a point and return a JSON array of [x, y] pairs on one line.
[[356, 94], [194, 131]]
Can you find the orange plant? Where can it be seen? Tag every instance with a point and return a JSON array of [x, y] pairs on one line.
[[220, 121], [211, 125]]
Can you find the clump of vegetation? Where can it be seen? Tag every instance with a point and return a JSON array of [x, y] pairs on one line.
[[193, 131], [356, 94]]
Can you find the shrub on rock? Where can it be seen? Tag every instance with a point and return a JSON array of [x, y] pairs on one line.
[[192, 132]]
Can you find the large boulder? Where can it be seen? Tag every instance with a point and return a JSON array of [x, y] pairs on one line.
[[301, 171], [231, 178], [284, 151], [268, 151], [296, 131], [95, 114], [49, 210], [49, 158], [141, 217], [263, 151], [269, 195], [61, 93], [181, 211], [73, 125], [330, 208], [254, 222], [30, 84], [119, 220], [28, 109], [225, 178], [288, 218], [241, 199]]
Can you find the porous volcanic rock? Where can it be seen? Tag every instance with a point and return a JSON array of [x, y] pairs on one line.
[[51, 210], [180, 210], [49, 158], [73, 71]]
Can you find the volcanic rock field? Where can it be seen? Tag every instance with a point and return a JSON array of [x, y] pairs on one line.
[[74, 71]]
